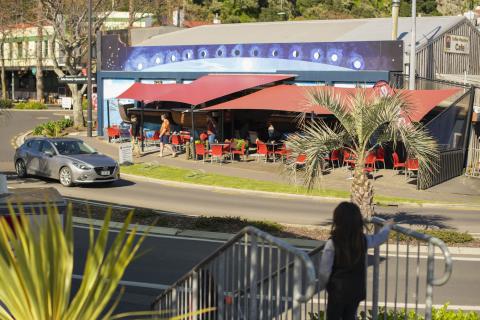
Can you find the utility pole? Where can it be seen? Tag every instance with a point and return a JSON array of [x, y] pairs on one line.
[[413, 47], [13, 85], [395, 12], [89, 71]]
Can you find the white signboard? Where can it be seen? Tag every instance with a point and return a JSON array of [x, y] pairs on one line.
[[67, 103], [457, 44], [125, 154]]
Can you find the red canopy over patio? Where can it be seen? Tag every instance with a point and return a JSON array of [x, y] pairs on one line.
[[295, 99], [206, 88]]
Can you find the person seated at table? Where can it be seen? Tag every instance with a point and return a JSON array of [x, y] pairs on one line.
[[211, 130], [165, 136]]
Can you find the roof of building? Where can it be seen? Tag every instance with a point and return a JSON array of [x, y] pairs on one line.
[[374, 29]]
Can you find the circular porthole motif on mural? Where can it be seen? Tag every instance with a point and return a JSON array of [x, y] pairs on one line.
[[334, 56], [173, 56], [275, 52], [237, 51], [158, 59], [255, 51], [356, 62], [316, 55], [203, 53], [187, 54], [221, 52], [295, 53]]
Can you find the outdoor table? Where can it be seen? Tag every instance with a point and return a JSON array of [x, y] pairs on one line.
[[272, 144]]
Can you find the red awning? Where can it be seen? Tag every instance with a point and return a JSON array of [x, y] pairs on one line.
[[202, 90], [295, 99]]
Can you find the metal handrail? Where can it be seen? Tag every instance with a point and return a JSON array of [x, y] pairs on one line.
[[304, 258], [429, 239]]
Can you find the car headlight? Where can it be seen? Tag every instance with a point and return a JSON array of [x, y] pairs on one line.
[[82, 166]]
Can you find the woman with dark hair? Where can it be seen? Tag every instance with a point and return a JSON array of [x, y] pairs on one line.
[[343, 263]]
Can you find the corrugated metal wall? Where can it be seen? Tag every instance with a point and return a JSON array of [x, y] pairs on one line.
[[433, 59]]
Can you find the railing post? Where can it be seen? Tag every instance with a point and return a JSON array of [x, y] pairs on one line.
[[253, 278], [194, 292], [221, 288], [430, 275], [297, 283], [376, 277]]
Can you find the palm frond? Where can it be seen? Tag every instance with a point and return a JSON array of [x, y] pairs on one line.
[[315, 142]]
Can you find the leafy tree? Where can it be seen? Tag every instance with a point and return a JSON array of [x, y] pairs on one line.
[[364, 122], [69, 19]]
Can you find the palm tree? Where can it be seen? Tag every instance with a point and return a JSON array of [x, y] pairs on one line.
[[366, 120]]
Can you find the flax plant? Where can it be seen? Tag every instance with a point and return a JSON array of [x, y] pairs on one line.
[[364, 122], [36, 268]]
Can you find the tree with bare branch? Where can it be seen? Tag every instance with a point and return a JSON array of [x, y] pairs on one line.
[[69, 19], [7, 19]]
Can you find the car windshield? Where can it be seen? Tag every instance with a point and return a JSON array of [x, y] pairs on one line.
[[73, 147]]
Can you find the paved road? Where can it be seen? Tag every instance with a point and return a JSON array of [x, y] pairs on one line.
[[16, 122]]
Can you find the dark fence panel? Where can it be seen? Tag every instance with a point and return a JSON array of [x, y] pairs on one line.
[[450, 165]]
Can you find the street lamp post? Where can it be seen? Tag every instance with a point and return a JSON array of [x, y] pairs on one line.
[[395, 12], [89, 71], [413, 47]]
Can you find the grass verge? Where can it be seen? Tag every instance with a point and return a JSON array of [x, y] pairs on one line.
[[211, 179]]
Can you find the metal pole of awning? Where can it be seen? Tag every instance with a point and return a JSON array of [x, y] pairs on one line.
[[141, 126], [192, 135]]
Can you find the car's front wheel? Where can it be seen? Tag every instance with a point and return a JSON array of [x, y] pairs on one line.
[[66, 177], [21, 168]]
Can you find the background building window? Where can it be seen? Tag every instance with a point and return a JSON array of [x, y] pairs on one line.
[[19, 50], [45, 48]]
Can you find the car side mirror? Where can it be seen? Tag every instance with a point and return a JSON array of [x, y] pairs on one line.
[[48, 153]]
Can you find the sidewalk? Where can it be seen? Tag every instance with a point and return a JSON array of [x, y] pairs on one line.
[[461, 190]]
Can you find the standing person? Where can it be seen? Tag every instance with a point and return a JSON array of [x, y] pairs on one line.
[[135, 133], [271, 131], [211, 130], [343, 263], [165, 136]]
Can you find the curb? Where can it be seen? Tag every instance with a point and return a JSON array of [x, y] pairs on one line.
[[20, 139], [185, 233], [287, 195]]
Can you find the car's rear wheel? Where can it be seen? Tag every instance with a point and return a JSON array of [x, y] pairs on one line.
[[21, 168], [66, 177]]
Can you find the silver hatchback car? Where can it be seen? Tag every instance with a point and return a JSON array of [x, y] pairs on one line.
[[69, 160]]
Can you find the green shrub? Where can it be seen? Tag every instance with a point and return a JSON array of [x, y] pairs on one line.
[[31, 105], [6, 104], [447, 236], [437, 314], [52, 128]]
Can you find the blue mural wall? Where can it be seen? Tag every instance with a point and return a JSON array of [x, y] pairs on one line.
[[272, 57]]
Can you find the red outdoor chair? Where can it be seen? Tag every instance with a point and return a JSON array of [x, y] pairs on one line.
[[301, 160], [262, 151], [241, 153], [411, 165], [153, 140], [380, 156], [334, 156], [217, 153], [282, 152], [396, 162], [200, 151], [348, 158], [177, 142], [113, 134], [370, 161]]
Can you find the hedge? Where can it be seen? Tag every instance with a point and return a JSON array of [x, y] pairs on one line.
[[52, 128], [30, 105], [6, 104]]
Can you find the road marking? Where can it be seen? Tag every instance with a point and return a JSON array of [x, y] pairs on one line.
[[140, 233], [133, 283]]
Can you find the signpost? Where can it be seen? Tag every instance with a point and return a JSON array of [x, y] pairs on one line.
[[125, 153], [456, 44], [74, 79]]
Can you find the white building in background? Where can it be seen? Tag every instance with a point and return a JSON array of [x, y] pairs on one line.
[[20, 55]]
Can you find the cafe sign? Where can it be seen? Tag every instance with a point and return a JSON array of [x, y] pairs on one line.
[[457, 44]]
